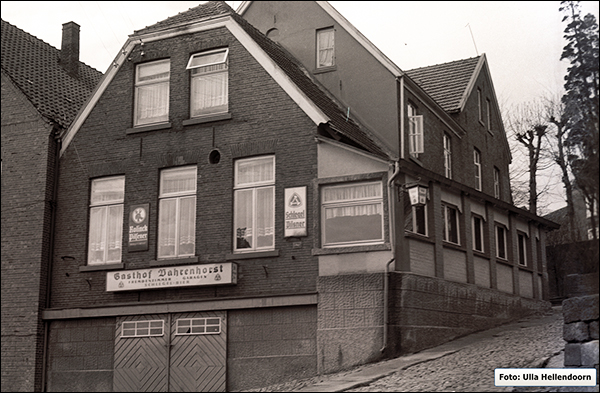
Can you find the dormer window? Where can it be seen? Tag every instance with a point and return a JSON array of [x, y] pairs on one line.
[[325, 48], [210, 82], [152, 92]]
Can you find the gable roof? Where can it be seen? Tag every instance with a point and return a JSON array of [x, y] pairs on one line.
[[448, 83], [33, 66], [284, 68]]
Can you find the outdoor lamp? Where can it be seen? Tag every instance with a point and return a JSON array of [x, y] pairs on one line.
[[417, 194]]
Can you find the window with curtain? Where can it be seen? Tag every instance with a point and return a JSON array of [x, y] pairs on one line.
[[447, 156], [477, 231], [325, 48], [209, 91], [352, 214], [254, 204], [106, 220], [450, 216], [152, 92], [477, 162], [177, 212], [415, 131]]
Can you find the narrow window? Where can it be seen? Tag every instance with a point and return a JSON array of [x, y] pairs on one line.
[[106, 220], [450, 215], [477, 162], [210, 82], [447, 156], [325, 48], [477, 230], [500, 242], [522, 249], [254, 204], [496, 183], [152, 92], [352, 214], [488, 114], [177, 213], [415, 131], [479, 105]]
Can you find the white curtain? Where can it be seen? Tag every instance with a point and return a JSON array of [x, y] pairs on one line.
[[354, 211], [106, 234], [264, 217], [243, 218], [167, 227], [352, 192], [209, 91], [152, 103], [326, 48], [255, 171], [187, 226]]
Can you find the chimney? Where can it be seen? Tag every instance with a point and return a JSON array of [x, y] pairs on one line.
[[69, 51]]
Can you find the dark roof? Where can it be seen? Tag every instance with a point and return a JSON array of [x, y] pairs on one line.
[[33, 66], [446, 83], [347, 127]]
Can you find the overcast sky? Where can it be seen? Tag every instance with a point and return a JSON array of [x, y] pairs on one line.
[[522, 40]]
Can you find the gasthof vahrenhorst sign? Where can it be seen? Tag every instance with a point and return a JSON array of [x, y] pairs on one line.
[[173, 276]]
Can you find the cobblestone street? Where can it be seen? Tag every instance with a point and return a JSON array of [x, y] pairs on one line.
[[532, 342]]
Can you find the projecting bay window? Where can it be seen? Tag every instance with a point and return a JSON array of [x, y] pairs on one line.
[[450, 217], [152, 92], [352, 214], [177, 213], [209, 82], [415, 131], [254, 204], [325, 48], [106, 220], [415, 217]]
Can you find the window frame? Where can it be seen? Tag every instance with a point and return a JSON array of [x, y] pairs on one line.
[[254, 187], [136, 328], [477, 162], [196, 76], [478, 234], [479, 105], [191, 332], [488, 107], [319, 49], [496, 183], [415, 131], [447, 141], [137, 122], [448, 230], [177, 196], [522, 248], [374, 200], [504, 250], [106, 206]]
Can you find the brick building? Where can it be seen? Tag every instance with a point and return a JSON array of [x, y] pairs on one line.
[[42, 90], [233, 207]]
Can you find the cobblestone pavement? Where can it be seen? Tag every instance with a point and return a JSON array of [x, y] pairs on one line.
[[531, 342]]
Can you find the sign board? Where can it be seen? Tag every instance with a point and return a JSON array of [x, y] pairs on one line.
[[172, 276], [138, 227], [295, 212]]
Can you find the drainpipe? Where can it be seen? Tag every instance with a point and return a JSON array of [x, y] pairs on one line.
[[391, 224]]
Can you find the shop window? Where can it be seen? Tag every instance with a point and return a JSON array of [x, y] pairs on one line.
[[143, 328], [477, 230], [325, 48], [415, 132], [209, 91], [450, 216], [501, 242], [152, 92], [106, 220], [352, 214], [254, 204], [177, 213], [192, 326]]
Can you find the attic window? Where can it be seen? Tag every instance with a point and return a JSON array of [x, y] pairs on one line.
[[210, 82], [325, 48]]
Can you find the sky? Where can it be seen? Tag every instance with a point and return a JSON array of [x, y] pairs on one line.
[[522, 40]]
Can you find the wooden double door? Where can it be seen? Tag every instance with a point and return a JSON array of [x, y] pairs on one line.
[[183, 352]]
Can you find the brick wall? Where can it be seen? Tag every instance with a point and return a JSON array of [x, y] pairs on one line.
[[271, 345]]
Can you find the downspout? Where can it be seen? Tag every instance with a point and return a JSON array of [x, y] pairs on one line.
[[53, 202]]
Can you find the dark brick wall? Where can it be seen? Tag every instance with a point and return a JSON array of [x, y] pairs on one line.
[[271, 345], [27, 173], [81, 355]]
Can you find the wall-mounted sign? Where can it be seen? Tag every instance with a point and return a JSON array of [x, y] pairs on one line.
[[295, 212], [173, 276], [138, 227]]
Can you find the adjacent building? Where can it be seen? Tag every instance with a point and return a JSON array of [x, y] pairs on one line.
[[257, 196]]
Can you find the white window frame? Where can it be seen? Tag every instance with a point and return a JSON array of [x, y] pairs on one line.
[[216, 65], [321, 46], [133, 329], [496, 183], [110, 229], [477, 234], [447, 156], [522, 248], [254, 188], [178, 197], [349, 203], [447, 223], [477, 162], [198, 326], [149, 83], [415, 131], [503, 250]]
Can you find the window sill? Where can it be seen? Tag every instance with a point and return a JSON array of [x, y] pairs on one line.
[[252, 255], [480, 254], [504, 261], [418, 236], [93, 268], [207, 119], [453, 245], [351, 249], [174, 261], [415, 158], [325, 69], [150, 127]]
